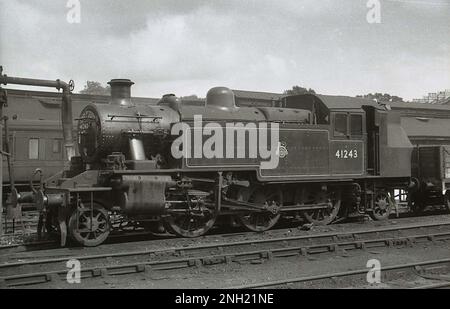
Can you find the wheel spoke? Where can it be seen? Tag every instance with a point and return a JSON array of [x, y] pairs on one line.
[[260, 221], [85, 230], [382, 207], [322, 216], [89, 230], [196, 221], [102, 229]]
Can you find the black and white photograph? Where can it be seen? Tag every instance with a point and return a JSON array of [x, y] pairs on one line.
[[227, 151]]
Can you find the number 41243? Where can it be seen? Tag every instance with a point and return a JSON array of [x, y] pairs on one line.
[[347, 154]]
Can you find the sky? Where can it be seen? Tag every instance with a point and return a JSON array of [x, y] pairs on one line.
[[189, 46]]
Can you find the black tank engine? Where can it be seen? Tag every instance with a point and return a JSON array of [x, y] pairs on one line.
[[181, 166]]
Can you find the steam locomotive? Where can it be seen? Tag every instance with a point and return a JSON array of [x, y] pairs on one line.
[[36, 141], [334, 156]]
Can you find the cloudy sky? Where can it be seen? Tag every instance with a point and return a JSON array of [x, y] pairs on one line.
[[188, 46]]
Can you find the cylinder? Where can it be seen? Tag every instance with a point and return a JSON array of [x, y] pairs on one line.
[[137, 149], [145, 194]]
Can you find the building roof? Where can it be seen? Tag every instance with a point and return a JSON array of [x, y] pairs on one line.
[[46, 106], [257, 95], [52, 99], [345, 102], [335, 102], [55, 97], [332, 102], [419, 106], [426, 127]]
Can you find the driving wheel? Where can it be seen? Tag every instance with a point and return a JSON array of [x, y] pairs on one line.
[[326, 215], [260, 221]]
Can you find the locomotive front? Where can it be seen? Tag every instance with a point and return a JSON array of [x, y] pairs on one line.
[[123, 150], [123, 127]]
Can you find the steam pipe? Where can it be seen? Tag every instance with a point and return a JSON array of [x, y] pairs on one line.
[[66, 106], [137, 149]]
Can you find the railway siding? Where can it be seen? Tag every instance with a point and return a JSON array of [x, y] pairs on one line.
[[32, 272]]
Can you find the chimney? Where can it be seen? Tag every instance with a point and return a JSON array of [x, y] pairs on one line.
[[121, 92]]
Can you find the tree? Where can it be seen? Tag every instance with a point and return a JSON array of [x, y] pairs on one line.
[[296, 90], [381, 97], [95, 88]]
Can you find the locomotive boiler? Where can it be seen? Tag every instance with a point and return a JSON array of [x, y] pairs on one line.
[[181, 166]]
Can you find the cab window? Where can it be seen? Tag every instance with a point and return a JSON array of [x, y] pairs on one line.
[[340, 125], [356, 125]]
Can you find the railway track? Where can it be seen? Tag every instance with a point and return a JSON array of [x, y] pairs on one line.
[[30, 245], [28, 222], [116, 237], [38, 271], [54, 244], [31, 227], [425, 271], [130, 236]]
